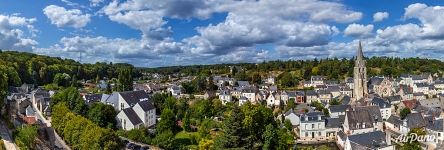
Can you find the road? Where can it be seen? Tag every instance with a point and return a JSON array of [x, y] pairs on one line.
[[6, 137], [59, 142]]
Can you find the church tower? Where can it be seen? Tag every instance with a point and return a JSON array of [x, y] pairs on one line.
[[359, 75]]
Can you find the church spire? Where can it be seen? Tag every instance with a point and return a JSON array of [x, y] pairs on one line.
[[360, 55]]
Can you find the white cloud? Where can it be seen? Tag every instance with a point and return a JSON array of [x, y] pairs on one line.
[[62, 17], [16, 33], [431, 18], [95, 3], [359, 30], [379, 16]]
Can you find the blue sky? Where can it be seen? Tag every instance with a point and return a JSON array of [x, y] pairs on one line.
[[151, 33]]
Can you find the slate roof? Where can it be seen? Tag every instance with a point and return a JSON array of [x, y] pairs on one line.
[[421, 85], [358, 117], [436, 125], [132, 97], [333, 88], [380, 102], [312, 116], [132, 116], [243, 83], [339, 108], [376, 80], [396, 98], [146, 105], [370, 140], [394, 120], [333, 123], [374, 111], [311, 93], [415, 120]]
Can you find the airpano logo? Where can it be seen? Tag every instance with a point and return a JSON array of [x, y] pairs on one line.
[[415, 137]]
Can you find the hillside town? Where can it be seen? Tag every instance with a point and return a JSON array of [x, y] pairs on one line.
[[360, 112]]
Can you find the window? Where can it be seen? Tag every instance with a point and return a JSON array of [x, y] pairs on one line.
[[121, 106], [312, 126], [124, 124]]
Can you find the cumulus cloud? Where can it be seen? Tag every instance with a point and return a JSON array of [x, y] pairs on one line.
[[431, 18], [62, 17], [16, 33], [379, 16], [291, 23], [358, 30]]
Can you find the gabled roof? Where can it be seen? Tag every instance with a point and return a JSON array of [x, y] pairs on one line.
[[411, 104], [381, 102], [436, 125], [339, 108], [370, 140], [132, 97], [357, 118], [395, 98], [333, 122], [132, 116], [312, 116], [415, 120], [146, 105], [394, 120], [311, 93], [374, 111], [376, 80]]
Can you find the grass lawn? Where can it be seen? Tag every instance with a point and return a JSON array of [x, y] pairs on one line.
[[186, 138]]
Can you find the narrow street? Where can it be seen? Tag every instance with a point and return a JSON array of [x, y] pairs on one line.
[[6, 137]]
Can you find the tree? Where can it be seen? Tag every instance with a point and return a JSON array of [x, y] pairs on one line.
[[71, 97], [290, 104], [270, 137], [256, 78], [288, 125], [206, 144], [165, 140], [62, 79], [404, 112], [125, 79], [186, 122], [26, 135], [3, 86], [102, 115], [334, 102], [413, 145], [167, 121], [286, 79], [284, 139], [232, 132]]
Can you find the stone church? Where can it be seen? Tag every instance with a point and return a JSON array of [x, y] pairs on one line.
[[360, 76]]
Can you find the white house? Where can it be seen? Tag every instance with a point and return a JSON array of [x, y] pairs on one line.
[[292, 117], [146, 111], [338, 110], [130, 98], [175, 90], [274, 100], [312, 126], [384, 107], [127, 119], [225, 96]]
